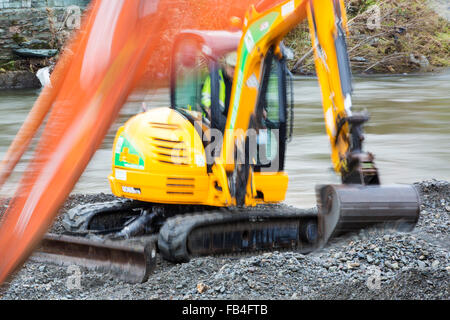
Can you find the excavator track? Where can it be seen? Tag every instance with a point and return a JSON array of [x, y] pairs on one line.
[[192, 232], [248, 231], [88, 218], [341, 209]]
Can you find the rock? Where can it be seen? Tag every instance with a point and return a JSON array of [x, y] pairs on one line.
[[359, 59], [421, 60], [35, 53], [435, 264], [421, 264], [201, 287], [35, 44], [19, 80]]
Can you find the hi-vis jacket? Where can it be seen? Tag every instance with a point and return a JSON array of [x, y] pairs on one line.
[[206, 92]]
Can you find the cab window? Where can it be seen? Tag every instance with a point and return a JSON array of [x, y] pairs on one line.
[[191, 72], [272, 114]]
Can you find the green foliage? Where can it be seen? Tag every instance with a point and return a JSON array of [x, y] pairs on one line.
[[18, 39], [9, 66]]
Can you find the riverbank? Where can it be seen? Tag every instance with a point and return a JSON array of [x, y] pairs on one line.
[[368, 265], [386, 36]]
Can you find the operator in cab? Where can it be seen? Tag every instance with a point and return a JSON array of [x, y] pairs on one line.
[[226, 74]]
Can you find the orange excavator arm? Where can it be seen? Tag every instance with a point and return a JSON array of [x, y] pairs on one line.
[[90, 84], [104, 62]]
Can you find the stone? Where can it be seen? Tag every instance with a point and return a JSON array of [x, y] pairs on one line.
[[35, 53], [201, 287], [353, 265], [359, 59], [19, 80], [421, 60]]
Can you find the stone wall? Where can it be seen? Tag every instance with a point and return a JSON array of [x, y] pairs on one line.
[[49, 21]]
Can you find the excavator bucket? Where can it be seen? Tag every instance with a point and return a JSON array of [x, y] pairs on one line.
[[352, 207]]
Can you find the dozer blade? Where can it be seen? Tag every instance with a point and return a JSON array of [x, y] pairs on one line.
[[131, 262], [349, 208]]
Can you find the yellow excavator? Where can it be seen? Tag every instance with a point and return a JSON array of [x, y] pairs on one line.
[[201, 180]]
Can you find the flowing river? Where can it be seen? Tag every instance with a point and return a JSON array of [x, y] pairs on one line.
[[409, 132]]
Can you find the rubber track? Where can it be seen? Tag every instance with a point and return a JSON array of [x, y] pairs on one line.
[[76, 220], [174, 235]]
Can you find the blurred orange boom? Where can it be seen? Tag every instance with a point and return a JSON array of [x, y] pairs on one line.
[[118, 42]]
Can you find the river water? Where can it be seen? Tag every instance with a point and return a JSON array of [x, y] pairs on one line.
[[409, 132]]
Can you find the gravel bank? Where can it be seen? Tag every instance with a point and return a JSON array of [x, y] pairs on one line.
[[372, 264]]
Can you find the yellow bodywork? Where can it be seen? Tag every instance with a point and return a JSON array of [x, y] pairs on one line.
[[158, 156], [265, 30]]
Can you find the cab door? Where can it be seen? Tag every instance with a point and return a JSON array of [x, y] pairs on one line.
[[271, 116]]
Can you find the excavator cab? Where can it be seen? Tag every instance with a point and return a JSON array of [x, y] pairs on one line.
[[195, 70], [197, 63], [190, 70]]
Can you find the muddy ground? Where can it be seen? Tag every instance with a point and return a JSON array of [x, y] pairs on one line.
[[372, 264]]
